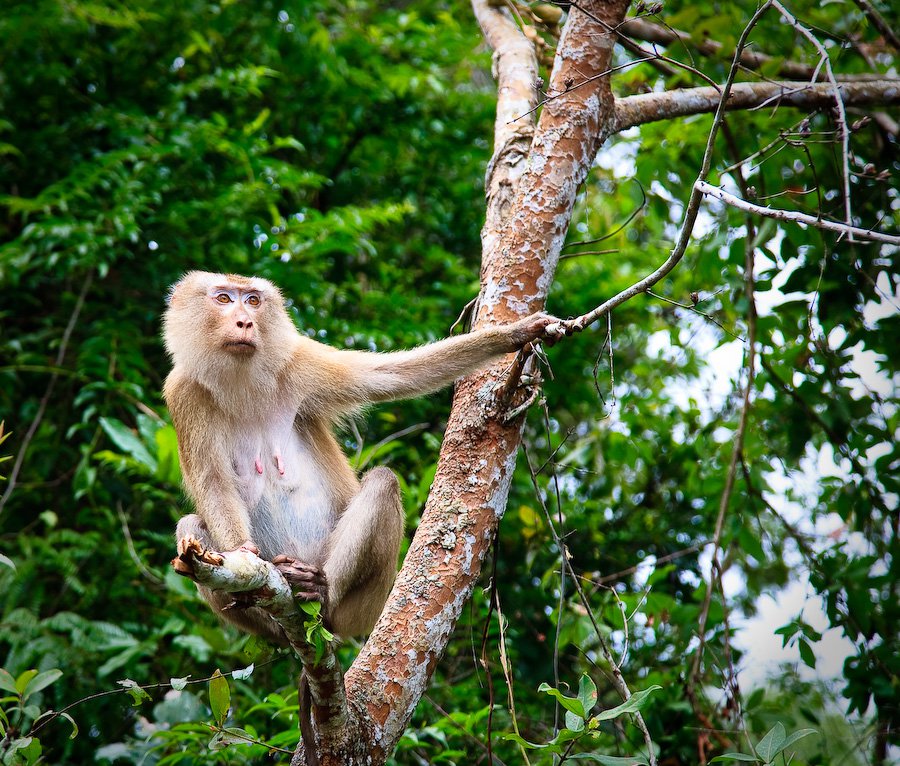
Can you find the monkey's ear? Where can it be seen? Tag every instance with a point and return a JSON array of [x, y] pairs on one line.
[[170, 293]]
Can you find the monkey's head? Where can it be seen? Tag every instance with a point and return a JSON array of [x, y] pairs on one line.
[[216, 317]]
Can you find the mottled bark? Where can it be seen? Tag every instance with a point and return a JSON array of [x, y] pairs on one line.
[[516, 71], [471, 486]]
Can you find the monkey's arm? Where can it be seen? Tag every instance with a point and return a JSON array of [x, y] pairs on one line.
[[205, 467], [350, 378]]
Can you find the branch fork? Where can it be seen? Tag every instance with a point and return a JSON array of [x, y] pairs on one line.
[[257, 582]]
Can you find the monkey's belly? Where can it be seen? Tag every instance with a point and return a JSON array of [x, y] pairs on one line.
[[293, 520], [286, 492]]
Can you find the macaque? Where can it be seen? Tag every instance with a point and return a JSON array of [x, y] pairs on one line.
[[254, 402]]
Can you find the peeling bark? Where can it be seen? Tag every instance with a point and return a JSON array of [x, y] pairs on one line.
[[478, 455], [531, 185], [515, 68]]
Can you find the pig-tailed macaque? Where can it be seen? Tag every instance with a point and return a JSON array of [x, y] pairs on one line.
[[254, 402]]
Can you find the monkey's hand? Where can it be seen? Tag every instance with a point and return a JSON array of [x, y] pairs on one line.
[[190, 548], [539, 326], [307, 582]]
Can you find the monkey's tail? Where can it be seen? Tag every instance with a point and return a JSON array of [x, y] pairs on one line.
[[307, 732]]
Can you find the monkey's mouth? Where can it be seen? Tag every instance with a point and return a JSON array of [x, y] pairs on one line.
[[240, 346]]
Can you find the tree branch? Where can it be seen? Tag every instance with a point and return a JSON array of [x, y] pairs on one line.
[[262, 585], [887, 32], [515, 67], [648, 31], [51, 384], [471, 486], [652, 107], [796, 217]]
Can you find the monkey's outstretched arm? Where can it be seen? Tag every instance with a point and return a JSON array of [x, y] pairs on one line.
[[351, 378]]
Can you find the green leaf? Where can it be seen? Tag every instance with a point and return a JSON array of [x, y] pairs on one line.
[[806, 653], [574, 722], [23, 680], [71, 720], [7, 682], [24, 750], [797, 735], [770, 745], [750, 544], [41, 681], [634, 703], [230, 736], [736, 757], [530, 745], [138, 695], [572, 704], [51, 714], [219, 697], [587, 693], [127, 441], [608, 760]]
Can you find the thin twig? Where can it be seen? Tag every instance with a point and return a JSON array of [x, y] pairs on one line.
[[468, 734], [697, 311], [795, 217], [631, 216], [577, 85], [654, 56], [887, 32], [618, 679], [507, 673], [716, 568], [691, 210], [838, 102], [415, 428], [45, 399], [129, 543], [659, 560], [562, 578]]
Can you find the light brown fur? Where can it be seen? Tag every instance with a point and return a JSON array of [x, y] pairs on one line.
[[254, 402]]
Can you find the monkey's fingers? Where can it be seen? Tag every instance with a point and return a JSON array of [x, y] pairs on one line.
[[302, 577], [249, 545], [302, 595], [190, 549], [188, 543], [282, 560]]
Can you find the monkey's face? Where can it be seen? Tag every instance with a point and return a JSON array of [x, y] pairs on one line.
[[237, 311], [210, 314]]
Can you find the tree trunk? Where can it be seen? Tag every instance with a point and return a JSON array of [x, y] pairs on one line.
[[521, 251]]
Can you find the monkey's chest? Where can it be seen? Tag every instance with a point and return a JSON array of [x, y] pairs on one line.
[[286, 493]]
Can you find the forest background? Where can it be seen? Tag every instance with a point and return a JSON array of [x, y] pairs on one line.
[[340, 150]]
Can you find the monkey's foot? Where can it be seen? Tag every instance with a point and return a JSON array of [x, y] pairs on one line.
[[307, 582], [191, 549]]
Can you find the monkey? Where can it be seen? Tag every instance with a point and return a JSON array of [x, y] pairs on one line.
[[254, 402]]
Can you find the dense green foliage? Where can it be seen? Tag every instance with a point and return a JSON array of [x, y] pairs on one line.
[[339, 149]]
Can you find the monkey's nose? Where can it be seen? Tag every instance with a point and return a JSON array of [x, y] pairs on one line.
[[244, 324]]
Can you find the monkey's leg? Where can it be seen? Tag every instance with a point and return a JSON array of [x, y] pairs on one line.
[[248, 619], [362, 550]]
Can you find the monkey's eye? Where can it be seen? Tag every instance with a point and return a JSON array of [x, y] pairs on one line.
[[253, 300], [223, 298]]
